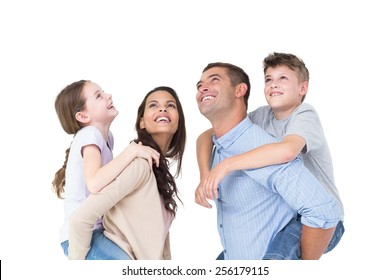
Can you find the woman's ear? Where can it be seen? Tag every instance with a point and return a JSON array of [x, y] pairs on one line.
[[142, 123], [82, 117]]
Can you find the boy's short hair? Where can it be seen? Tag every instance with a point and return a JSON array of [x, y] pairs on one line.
[[291, 61]]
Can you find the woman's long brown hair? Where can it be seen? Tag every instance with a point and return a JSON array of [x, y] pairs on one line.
[[165, 180]]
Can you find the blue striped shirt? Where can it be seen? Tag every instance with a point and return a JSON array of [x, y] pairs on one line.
[[255, 204]]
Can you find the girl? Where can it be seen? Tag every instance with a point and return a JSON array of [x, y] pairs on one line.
[[86, 111], [139, 206]]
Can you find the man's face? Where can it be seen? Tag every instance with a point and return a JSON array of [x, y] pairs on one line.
[[215, 94]]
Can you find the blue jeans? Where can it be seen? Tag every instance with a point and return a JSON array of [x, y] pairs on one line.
[[287, 243], [102, 248]]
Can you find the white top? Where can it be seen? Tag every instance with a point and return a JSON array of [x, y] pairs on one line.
[[76, 190]]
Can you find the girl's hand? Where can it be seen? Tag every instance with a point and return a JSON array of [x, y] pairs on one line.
[[146, 152]]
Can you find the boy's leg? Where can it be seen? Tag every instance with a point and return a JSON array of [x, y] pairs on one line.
[[103, 248], [287, 243], [220, 257], [338, 233]]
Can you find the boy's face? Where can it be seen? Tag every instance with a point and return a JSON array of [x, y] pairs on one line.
[[283, 90]]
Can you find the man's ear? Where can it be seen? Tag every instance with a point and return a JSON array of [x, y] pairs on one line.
[[82, 117], [241, 89]]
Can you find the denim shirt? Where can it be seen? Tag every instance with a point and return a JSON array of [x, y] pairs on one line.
[[254, 204]]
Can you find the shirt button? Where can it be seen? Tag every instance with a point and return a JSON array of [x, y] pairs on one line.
[[220, 225], [219, 200]]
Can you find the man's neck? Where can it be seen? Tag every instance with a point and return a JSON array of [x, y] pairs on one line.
[[221, 126]]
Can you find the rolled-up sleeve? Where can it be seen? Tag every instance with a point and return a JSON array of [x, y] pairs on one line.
[[298, 187], [305, 194]]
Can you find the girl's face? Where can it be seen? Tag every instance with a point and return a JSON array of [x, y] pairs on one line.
[[99, 108], [161, 117]]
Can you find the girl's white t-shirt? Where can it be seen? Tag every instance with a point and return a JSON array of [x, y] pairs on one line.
[[76, 190]]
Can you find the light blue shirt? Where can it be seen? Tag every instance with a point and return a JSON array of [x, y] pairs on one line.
[[255, 204]]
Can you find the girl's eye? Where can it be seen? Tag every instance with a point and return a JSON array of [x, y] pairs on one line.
[[172, 105], [152, 105]]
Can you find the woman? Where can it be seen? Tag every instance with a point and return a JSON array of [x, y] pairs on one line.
[[139, 205]]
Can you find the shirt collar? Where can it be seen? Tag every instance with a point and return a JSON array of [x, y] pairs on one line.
[[226, 140]]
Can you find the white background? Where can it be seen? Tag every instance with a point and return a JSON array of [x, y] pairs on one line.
[[130, 47]]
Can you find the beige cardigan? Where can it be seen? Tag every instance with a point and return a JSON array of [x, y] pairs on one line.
[[133, 216]]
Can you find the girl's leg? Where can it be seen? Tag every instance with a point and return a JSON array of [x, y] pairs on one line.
[[103, 248], [65, 246]]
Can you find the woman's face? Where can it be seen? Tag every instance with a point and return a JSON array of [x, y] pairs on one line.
[[161, 117]]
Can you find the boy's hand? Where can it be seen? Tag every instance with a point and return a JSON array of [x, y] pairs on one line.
[[211, 181], [200, 197]]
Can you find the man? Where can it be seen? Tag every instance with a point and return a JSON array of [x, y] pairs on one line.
[[254, 205]]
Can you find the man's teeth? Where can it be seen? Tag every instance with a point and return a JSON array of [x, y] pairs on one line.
[[208, 97]]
